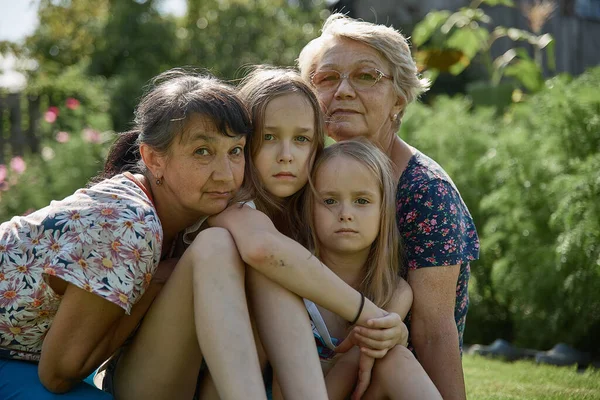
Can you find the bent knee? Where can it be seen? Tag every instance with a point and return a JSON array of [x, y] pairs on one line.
[[397, 357], [210, 242]]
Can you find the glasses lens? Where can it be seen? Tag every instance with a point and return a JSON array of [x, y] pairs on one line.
[[326, 79], [364, 78]]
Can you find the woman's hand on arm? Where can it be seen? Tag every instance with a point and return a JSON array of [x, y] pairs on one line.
[[433, 327]]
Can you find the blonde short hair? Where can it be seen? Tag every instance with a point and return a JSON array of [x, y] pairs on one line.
[[386, 40]]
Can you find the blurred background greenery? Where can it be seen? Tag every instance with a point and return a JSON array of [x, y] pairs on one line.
[[521, 143]]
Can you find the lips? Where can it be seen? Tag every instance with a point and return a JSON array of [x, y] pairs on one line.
[[284, 175], [221, 194], [346, 230]]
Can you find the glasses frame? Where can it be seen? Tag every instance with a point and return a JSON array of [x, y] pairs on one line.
[[380, 76]]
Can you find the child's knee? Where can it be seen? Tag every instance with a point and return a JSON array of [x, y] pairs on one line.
[[398, 357], [210, 243]]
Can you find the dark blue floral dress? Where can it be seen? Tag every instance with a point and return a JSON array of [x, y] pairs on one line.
[[436, 227]]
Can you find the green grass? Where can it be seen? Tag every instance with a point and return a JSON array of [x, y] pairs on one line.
[[488, 379]]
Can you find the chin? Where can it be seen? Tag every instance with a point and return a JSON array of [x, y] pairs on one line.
[[340, 134]]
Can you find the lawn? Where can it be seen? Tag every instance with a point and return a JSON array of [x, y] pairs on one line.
[[488, 379]]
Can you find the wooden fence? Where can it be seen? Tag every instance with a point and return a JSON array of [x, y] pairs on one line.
[[577, 35], [19, 129]]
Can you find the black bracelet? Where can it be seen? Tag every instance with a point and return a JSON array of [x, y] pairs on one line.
[[362, 305]]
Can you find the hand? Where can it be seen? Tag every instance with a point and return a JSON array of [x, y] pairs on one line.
[[365, 366], [381, 335], [164, 270]]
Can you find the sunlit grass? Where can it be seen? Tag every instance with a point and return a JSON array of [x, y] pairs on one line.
[[488, 379]]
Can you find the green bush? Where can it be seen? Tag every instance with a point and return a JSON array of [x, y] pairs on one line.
[[73, 135], [531, 179]]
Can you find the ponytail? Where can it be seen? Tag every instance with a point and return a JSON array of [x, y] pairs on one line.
[[124, 155]]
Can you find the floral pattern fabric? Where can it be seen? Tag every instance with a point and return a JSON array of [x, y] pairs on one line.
[[436, 227], [105, 239]]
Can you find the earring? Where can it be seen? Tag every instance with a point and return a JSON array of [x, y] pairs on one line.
[[159, 181], [394, 117]]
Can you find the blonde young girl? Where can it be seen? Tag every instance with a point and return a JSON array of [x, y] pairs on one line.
[[351, 210], [288, 137]]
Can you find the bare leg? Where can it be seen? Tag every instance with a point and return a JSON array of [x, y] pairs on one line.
[[163, 360], [208, 390], [400, 376], [223, 324], [285, 331]]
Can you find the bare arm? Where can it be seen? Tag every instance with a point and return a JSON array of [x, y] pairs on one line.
[[86, 330], [289, 264], [433, 328], [383, 333]]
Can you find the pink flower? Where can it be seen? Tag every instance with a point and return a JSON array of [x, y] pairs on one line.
[[72, 103], [62, 137], [91, 135], [2, 172], [18, 165], [51, 115]]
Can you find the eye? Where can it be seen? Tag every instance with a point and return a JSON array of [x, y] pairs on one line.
[[329, 202], [326, 77], [236, 151], [302, 139], [268, 136], [366, 75], [203, 151], [362, 201]]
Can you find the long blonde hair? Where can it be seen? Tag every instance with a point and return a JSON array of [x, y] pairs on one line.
[[383, 263], [260, 87]]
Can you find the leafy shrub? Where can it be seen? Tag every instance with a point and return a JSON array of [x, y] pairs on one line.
[[531, 179]]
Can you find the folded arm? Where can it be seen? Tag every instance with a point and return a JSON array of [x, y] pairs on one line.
[[291, 265]]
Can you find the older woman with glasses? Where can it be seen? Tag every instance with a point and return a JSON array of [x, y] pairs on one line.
[[365, 77]]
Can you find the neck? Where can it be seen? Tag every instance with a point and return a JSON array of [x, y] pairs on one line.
[[398, 151], [347, 265], [172, 219]]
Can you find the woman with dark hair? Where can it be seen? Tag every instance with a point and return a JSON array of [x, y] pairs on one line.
[[80, 276]]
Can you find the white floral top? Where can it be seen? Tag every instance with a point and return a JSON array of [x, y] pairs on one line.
[[105, 239]]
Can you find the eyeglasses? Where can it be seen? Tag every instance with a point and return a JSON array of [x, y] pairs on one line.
[[360, 79]]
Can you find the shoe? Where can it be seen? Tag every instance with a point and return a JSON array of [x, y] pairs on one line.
[[499, 348], [563, 354]]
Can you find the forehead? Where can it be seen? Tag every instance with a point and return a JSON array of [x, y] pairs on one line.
[[200, 127], [346, 173], [290, 104], [343, 53]]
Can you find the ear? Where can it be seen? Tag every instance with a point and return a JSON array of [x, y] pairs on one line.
[[399, 107], [155, 161]]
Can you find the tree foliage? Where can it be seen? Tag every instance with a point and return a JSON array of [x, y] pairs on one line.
[[531, 179]]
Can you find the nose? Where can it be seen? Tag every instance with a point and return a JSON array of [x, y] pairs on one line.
[[285, 153], [344, 89], [345, 214], [223, 171]]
